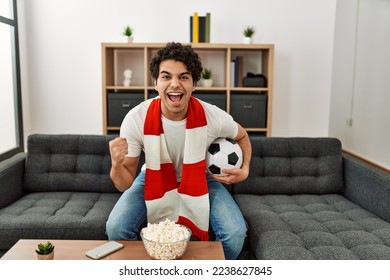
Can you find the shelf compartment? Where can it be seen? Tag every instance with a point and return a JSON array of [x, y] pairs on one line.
[[132, 59], [249, 109]]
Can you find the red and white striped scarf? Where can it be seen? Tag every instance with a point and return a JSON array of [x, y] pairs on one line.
[[187, 203]]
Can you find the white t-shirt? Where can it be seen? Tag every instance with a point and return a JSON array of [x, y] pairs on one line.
[[219, 124]]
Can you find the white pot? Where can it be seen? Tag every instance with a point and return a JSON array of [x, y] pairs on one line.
[[247, 40], [127, 39], [207, 83]]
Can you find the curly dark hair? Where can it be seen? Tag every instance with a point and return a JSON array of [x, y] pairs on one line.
[[178, 52]]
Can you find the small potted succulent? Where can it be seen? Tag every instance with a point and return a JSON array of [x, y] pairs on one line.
[[207, 80], [128, 34], [248, 33], [45, 251]]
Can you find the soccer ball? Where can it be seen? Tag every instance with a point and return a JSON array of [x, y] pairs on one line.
[[223, 153]]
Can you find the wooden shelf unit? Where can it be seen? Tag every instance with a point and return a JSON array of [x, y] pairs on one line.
[[257, 58]]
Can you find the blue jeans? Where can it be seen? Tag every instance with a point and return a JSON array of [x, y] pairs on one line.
[[227, 222]]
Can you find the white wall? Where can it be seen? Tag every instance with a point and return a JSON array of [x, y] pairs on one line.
[[61, 55], [361, 83]]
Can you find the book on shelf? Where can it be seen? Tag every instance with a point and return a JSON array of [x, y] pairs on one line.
[[191, 28], [237, 71], [200, 28], [195, 28], [232, 72], [208, 25]]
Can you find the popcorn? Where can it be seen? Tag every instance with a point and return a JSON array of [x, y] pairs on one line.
[[165, 240]]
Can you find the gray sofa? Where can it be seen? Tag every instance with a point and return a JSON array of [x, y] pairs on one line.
[[302, 200], [61, 189], [305, 200]]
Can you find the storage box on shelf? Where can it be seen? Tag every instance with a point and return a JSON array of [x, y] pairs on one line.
[[217, 98], [119, 104], [230, 63]]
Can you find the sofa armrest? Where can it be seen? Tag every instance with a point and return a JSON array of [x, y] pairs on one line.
[[367, 186], [11, 179]]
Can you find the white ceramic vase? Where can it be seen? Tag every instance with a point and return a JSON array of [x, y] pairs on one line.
[[207, 82], [128, 39], [247, 40]]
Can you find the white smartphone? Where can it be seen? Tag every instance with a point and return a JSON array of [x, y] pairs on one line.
[[104, 250]]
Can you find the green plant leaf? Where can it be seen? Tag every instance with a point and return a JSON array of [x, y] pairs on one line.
[[206, 74], [45, 248], [249, 31], [127, 31]]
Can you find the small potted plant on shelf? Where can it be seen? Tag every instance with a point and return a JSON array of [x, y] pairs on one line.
[[45, 251], [207, 80], [248, 33], [128, 34]]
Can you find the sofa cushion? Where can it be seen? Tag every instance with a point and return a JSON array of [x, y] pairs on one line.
[[11, 178], [313, 227], [294, 166], [68, 163], [56, 215]]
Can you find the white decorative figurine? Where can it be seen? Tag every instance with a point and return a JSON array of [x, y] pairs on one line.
[[127, 74]]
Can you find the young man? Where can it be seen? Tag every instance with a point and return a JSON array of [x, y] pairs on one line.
[[174, 130]]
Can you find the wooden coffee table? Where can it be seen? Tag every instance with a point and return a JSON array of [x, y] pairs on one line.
[[24, 249]]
